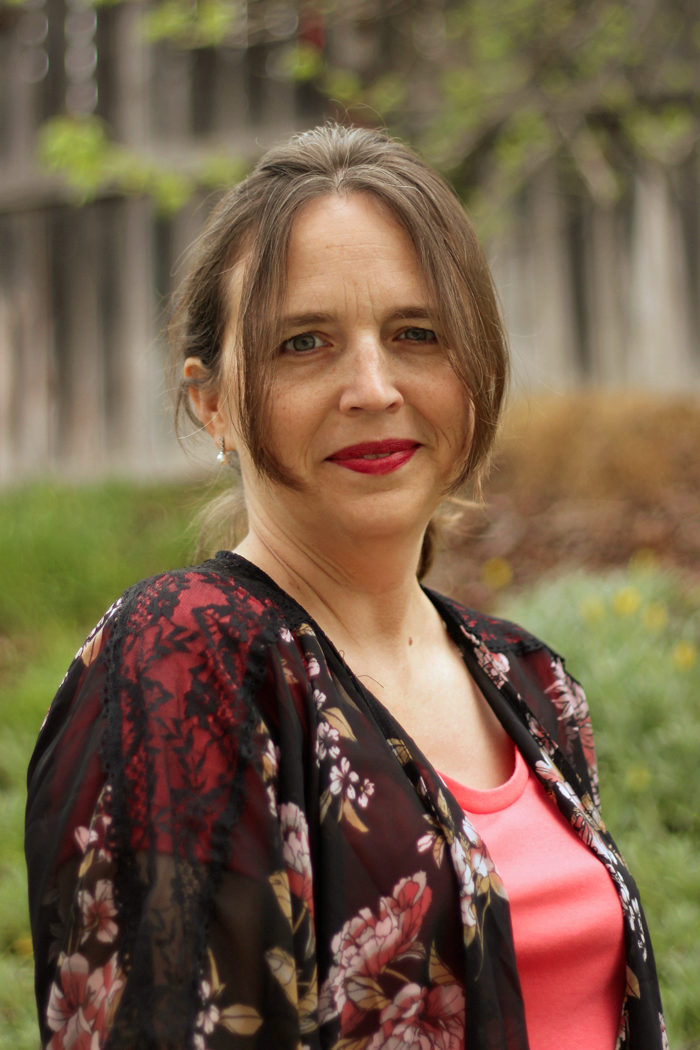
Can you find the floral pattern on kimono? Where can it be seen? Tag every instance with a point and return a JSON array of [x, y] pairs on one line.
[[232, 844]]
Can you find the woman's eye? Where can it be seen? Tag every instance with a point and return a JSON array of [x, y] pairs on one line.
[[300, 344], [419, 335]]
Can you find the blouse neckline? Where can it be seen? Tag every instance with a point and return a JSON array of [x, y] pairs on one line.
[[492, 800]]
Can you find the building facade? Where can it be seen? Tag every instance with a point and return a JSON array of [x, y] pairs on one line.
[[592, 295]]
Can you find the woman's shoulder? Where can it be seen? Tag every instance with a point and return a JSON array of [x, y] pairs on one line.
[[225, 590], [497, 634], [538, 678], [223, 600], [537, 672]]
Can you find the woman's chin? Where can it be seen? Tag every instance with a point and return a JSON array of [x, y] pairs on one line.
[[377, 520]]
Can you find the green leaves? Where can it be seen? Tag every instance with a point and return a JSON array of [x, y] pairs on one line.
[[667, 136], [78, 148], [601, 86], [301, 62], [204, 23]]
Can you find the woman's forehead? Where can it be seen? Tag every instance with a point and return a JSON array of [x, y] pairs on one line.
[[343, 250], [353, 223], [350, 248]]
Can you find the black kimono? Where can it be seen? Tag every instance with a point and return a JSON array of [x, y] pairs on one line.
[[232, 844]]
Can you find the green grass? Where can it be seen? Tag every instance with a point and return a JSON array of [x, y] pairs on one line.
[[66, 554]]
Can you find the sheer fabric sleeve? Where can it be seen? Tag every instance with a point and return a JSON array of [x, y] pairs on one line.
[[65, 781], [161, 867]]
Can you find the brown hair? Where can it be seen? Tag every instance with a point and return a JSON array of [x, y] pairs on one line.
[[254, 221]]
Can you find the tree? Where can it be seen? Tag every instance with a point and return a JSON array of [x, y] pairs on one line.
[[494, 89], [490, 90]]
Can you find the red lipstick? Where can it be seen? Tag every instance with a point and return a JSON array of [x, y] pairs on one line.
[[376, 457]]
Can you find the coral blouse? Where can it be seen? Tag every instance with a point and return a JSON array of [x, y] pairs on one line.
[[566, 914]]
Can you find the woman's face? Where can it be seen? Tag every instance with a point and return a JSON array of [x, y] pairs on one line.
[[366, 411]]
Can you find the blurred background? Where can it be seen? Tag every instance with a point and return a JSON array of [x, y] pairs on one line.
[[571, 131]]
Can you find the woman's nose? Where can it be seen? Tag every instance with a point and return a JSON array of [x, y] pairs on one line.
[[369, 383]]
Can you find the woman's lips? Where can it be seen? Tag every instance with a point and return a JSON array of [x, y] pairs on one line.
[[376, 457]]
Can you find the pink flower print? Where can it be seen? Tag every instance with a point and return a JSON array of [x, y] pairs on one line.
[[84, 838], [572, 707], [297, 853], [496, 665], [367, 944], [366, 792], [538, 732], [568, 696], [422, 1020], [482, 876], [567, 792], [547, 770], [571, 704], [81, 1003], [312, 667], [664, 1036], [319, 699], [326, 741], [286, 635], [433, 840], [467, 887], [73, 1003], [208, 1018], [113, 985], [470, 833], [95, 835], [98, 912], [343, 780], [486, 877], [270, 766], [481, 864]]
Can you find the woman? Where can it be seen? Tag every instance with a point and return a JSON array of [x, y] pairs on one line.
[[237, 834]]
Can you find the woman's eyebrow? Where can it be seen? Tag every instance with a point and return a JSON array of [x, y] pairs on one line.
[[401, 313], [410, 313], [307, 320]]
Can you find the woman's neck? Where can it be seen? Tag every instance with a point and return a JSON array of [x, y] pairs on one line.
[[364, 595]]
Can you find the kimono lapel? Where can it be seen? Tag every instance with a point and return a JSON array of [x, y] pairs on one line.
[[491, 983], [564, 787]]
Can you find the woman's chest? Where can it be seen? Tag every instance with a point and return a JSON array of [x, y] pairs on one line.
[[441, 708]]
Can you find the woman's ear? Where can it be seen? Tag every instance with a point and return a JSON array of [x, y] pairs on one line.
[[208, 403]]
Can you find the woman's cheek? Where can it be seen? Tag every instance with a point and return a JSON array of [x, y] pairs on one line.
[[293, 424]]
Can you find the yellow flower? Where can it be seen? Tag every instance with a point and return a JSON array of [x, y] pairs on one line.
[[654, 616], [626, 601], [685, 655], [496, 573], [643, 561], [592, 608], [638, 777], [22, 946]]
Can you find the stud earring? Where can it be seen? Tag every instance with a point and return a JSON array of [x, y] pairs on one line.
[[222, 454]]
